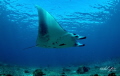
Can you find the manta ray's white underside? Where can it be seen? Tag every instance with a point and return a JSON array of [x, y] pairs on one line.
[[52, 35]]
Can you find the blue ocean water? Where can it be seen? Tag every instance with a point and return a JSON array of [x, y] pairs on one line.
[[98, 20]]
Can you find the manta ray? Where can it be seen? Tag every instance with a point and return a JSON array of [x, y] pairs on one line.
[[52, 35]]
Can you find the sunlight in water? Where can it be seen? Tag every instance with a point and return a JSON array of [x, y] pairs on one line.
[[71, 13]]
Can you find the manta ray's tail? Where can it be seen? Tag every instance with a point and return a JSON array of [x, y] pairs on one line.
[[29, 47]]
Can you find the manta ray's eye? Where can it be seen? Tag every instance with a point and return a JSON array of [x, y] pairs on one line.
[[62, 44]]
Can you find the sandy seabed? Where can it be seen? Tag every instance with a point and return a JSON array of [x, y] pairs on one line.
[[104, 68]]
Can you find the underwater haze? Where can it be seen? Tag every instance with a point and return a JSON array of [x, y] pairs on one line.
[[98, 20]]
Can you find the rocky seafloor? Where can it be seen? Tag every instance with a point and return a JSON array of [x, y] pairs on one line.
[[104, 68]]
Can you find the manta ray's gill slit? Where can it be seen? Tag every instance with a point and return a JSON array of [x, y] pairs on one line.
[[77, 36]]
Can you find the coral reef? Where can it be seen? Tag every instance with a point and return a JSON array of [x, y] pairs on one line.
[[63, 74], [82, 70], [26, 71], [38, 72], [112, 74]]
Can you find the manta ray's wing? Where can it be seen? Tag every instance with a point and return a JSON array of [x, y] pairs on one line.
[[47, 23], [51, 34], [49, 29]]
